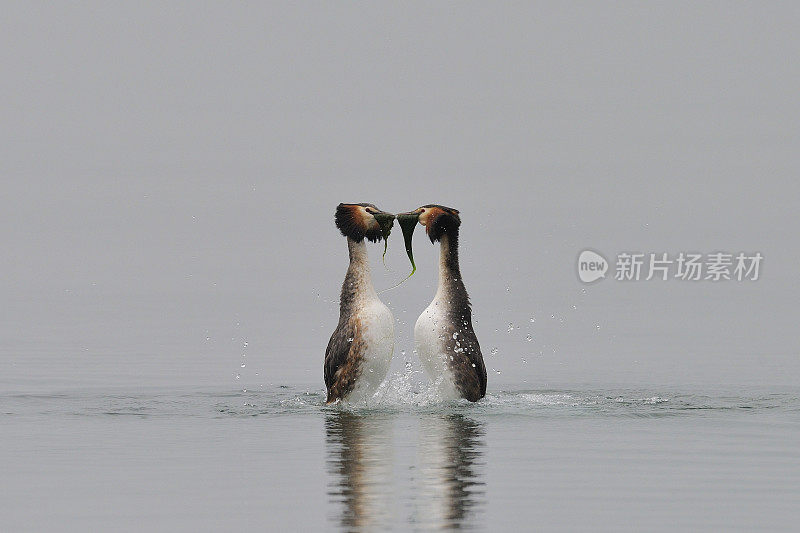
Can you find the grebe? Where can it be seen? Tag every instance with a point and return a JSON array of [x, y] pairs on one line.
[[360, 350], [443, 336]]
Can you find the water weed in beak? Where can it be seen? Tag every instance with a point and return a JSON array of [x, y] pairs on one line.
[[385, 221], [408, 222]]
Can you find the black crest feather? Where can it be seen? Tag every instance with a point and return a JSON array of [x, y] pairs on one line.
[[447, 221], [349, 222]]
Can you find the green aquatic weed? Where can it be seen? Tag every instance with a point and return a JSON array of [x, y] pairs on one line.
[[408, 222], [385, 221]]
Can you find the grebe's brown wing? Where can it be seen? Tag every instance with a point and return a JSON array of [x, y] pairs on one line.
[[342, 359], [466, 359]]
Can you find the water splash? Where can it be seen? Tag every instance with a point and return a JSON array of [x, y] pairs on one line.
[[408, 392]]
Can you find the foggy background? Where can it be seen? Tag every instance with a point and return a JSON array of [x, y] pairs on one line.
[[169, 176]]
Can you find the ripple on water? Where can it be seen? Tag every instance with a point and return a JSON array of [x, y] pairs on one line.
[[400, 393]]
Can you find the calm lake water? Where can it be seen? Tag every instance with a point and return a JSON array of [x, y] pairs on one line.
[[525, 458]]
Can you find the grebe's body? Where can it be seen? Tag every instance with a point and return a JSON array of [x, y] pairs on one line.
[[360, 350], [443, 335]]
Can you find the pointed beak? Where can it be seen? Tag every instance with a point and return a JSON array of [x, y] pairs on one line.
[[408, 222]]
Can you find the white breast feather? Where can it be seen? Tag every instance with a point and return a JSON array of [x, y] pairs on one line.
[[378, 324], [431, 348]]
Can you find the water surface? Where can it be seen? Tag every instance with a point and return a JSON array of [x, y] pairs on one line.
[[568, 459]]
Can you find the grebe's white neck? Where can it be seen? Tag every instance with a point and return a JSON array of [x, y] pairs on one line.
[[358, 253], [358, 281]]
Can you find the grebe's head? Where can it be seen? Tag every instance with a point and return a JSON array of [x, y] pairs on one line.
[[363, 220], [437, 220]]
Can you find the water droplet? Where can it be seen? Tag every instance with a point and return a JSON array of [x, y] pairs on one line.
[[510, 327], [455, 335], [238, 376], [243, 365], [533, 320], [244, 344], [371, 370], [524, 361], [597, 326], [574, 307], [529, 337], [552, 316], [208, 338], [494, 351], [497, 371], [408, 365], [473, 365]]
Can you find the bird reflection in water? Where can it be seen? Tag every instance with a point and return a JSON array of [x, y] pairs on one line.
[[360, 457], [450, 489], [445, 489]]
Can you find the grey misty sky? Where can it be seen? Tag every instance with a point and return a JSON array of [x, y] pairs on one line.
[[171, 170]]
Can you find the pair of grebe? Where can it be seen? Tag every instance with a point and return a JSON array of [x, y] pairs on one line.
[[360, 350]]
